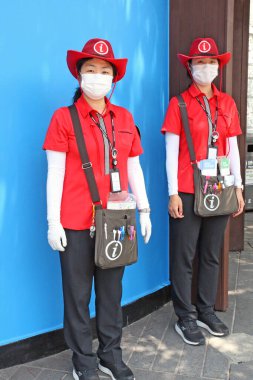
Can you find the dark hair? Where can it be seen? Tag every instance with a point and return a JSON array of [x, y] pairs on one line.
[[189, 68], [79, 64]]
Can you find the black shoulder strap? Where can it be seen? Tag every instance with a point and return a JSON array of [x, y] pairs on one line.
[[184, 116], [86, 164], [138, 130]]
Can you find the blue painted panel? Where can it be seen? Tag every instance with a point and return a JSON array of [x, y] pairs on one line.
[[34, 38]]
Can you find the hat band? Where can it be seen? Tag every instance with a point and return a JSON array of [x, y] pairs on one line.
[[205, 55], [108, 55]]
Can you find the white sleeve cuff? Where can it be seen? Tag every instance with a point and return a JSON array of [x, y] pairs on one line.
[[172, 151], [55, 178], [235, 167], [136, 182]]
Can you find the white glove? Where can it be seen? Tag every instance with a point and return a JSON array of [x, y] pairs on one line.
[[56, 237], [146, 226]]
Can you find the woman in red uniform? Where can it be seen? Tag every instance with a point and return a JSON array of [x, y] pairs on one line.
[[69, 206], [205, 105]]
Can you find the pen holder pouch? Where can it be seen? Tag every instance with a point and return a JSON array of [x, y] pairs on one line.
[[210, 201], [116, 238]]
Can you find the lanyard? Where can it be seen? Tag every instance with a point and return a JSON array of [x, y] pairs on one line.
[[104, 133], [213, 133]]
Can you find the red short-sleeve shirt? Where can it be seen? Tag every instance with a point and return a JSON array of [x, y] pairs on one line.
[[76, 205], [228, 125]]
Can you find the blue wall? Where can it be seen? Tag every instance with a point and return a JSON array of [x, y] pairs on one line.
[[34, 38]]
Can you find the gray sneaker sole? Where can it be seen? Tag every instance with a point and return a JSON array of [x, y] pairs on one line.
[[75, 375], [179, 331], [107, 371], [206, 327]]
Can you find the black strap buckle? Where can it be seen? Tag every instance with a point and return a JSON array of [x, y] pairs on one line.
[[87, 165]]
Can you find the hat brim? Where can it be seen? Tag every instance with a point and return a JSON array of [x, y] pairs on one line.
[[74, 56], [223, 58]]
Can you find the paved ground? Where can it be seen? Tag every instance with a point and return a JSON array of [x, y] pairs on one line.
[[155, 352]]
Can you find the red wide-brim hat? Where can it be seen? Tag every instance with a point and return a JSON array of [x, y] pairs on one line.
[[204, 47], [97, 48]]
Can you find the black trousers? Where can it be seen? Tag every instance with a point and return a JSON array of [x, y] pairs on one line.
[[186, 235], [78, 271]]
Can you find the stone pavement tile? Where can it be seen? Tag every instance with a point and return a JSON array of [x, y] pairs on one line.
[[245, 278], [141, 374], [128, 343], [247, 256], [248, 234], [137, 327], [48, 374], [8, 372], [247, 245], [131, 334], [246, 261], [145, 350], [67, 354], [233, 268], [192, 360], [69, 376], [242, 371], [243, 316], [182, 377], [170, 350], [216, 364], [25, 373], [237, 347], [55, 362]]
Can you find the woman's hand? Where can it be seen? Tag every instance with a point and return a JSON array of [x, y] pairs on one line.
[[241, 202], [56, 237], [175, 206], [146, 226]]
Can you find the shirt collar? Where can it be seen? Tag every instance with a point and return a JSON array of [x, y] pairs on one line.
[[194, 91], [85, 109]]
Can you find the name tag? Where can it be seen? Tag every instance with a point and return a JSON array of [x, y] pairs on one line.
[[224, 165], [115, 181], [212, 152], [208, 167]]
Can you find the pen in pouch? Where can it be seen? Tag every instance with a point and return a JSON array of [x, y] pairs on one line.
[[122, 233], [130, 232], [205, 187]]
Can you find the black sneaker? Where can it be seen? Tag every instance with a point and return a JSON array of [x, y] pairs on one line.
[[87, 374], [188, 329], [212, 324], [122, 372]]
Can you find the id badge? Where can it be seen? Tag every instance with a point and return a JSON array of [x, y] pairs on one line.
[[208, 167], [224, 165], [212, 152], [115, 181]]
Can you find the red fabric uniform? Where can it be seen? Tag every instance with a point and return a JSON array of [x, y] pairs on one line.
[[76, 205], [228, 125]]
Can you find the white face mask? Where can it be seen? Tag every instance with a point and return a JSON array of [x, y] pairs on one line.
[[96, 86], [204, 74]]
